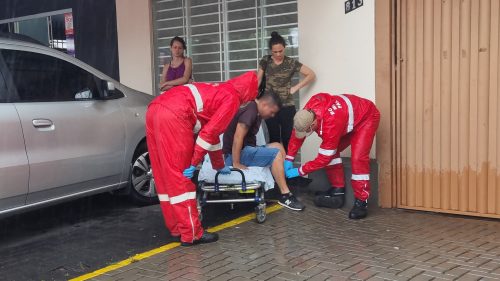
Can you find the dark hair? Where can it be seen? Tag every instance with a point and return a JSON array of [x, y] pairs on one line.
[[180, 40], [276, 39], [271, 97]]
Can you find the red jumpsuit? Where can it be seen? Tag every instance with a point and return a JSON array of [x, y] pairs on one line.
[[343, 120], [170, 121]]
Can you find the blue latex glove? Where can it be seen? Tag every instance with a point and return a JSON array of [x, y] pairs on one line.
[[225, 171], [188, 173], [292, 173], [288, 165]]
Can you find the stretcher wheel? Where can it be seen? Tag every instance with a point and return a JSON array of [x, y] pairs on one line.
[[260, 213]]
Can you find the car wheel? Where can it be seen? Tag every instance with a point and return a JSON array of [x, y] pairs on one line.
[[142, 183]]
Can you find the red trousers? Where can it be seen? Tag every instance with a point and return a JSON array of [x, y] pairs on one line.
[[170, 141], [360, 140]]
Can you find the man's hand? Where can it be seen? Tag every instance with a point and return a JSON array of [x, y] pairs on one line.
[[225, 171], [292, 173], [288, 165], [188, 173], [239, 166]]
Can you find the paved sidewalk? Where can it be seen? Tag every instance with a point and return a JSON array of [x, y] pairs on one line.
[[322, 244]]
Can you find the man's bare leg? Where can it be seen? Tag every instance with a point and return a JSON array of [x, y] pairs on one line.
[[277, 167], [287, 199]]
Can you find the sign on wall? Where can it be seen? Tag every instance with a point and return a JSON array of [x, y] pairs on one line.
[[70, 34], [351, 5]]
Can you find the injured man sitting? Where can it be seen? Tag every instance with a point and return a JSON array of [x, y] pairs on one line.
[[240, 149]]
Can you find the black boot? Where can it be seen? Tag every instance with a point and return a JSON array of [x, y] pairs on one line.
[[333, 198], [205, 238], [359, 210]]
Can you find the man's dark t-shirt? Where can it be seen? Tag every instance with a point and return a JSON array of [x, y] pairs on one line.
[[249, 116]]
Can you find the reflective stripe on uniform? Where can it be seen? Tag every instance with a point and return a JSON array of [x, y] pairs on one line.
[[288, 157], [300, 171], [335, 161], [350, 124], [327, 152], [207, 146], [192, 223], [163, 197], [361, 177], [183, 197], [196, 96]]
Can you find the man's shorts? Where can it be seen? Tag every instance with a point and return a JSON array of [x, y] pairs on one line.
[[260, 156]]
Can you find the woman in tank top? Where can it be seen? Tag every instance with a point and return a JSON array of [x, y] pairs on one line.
[[179, 70]]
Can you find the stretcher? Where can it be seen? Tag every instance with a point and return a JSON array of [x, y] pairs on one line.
[[247, 185]]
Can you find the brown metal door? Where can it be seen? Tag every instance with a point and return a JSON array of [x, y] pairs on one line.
[[448, 140]]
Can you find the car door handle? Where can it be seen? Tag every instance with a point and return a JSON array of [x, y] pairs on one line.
[[42, 123]]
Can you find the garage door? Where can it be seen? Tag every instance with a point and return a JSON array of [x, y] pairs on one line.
[[448, 139]]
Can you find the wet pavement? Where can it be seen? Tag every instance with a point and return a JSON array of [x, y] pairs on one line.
[[70, 239], [95, 238], [323, 244]]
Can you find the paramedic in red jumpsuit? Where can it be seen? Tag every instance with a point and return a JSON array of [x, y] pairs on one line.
[[340, 121], [171, 122]]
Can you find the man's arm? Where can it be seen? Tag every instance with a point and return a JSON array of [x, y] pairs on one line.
[[239, 136]]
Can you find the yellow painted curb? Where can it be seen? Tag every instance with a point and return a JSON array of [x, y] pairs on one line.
[[169, 246]]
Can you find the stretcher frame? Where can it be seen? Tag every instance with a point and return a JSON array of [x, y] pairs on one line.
[[243, 190]]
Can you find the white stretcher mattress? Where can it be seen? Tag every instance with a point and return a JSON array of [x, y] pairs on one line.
[[252, 175]]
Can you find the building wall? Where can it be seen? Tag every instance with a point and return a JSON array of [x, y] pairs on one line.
[[94, 22], [134, 26], [340, 48]]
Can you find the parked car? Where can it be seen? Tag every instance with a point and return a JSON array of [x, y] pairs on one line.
[[67, 130]]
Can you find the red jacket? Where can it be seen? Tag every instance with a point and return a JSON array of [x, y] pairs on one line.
[[334, 122], [214, 106]]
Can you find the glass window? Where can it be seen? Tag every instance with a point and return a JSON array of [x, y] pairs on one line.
[[224, 37], [39, 77], [54, 30]]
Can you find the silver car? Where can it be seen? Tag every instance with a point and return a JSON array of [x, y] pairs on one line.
[[67, 130]]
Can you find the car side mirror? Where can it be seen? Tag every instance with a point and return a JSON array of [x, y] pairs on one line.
[[110, 91], [110, 86]]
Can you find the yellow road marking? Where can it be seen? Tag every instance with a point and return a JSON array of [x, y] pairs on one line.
[[169, 246]]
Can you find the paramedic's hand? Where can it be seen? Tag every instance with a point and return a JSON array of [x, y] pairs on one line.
[[239, 166], [188, 173], [288, 165], [225, 171], [292, 173]]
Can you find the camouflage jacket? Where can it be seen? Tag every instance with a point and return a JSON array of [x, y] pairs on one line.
[[279, 77]]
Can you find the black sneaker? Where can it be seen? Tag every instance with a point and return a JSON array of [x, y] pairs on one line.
[[333, 198], [359, 210], [291, 202], [205, 238]]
